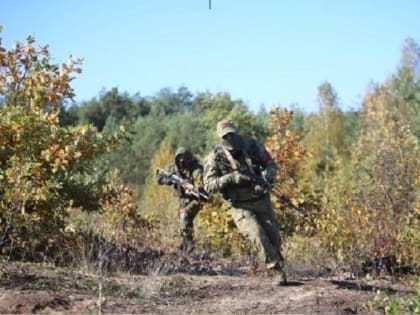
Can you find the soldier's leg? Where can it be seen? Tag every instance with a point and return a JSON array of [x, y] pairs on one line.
[[249, 226], [187, 228], [186, 218], [268, 221]]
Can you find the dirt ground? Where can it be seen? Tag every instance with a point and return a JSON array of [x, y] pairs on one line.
[[195, 286]]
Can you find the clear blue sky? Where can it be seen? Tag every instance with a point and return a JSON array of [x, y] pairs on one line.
[[265, 52]]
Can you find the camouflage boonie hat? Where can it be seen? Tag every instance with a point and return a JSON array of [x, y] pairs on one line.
[[187, 155], [224, 127], [180, 151]]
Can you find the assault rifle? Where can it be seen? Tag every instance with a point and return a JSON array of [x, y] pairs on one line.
[[188, 189], [260, 181]]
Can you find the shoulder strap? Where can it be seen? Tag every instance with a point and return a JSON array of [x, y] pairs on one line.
[[248, 162], [232, 162], [230, 158]]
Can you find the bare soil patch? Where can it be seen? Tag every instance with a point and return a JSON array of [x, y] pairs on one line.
[[198, 286]]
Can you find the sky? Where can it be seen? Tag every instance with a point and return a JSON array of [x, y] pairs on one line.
[[267, 52]]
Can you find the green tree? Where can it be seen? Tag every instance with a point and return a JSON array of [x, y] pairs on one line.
[[167, 102], [213, 108], [406, 86], [113, 105], [91, 112], [188, 131], [324, 138], [133, 157], [371, 209], [69, 116]]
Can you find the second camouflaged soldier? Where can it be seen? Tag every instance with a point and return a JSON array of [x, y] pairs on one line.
[[232, 169], [191, 171]]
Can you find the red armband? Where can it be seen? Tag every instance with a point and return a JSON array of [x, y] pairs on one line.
[[267, 159]]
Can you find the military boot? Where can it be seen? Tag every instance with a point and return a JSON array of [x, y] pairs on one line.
[[283, 277], [187, 244], [282, 274]]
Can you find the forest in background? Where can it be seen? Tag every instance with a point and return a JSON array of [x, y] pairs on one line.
[[71, 174]]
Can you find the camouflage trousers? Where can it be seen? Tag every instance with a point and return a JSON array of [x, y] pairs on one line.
[[187, 212], [257, 222]]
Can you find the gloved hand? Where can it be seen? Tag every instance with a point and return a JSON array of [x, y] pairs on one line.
[[269, 175], [259, 190], [234, 178]]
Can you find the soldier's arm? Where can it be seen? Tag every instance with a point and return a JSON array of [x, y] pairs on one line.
[[211, 174], [215, 180], [269, 166], [198, 176]]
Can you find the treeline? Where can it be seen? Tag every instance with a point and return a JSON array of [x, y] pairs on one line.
[[88, 168], [177, 117]]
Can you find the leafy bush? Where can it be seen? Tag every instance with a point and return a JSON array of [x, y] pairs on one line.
[[394, 305], [47, 170]]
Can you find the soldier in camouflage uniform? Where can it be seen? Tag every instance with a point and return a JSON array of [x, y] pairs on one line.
[[231, 169], [188, 168]]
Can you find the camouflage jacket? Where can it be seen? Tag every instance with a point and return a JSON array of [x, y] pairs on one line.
[[253, 157]]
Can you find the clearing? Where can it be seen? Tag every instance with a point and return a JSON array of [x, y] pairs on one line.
[[181, 284]]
